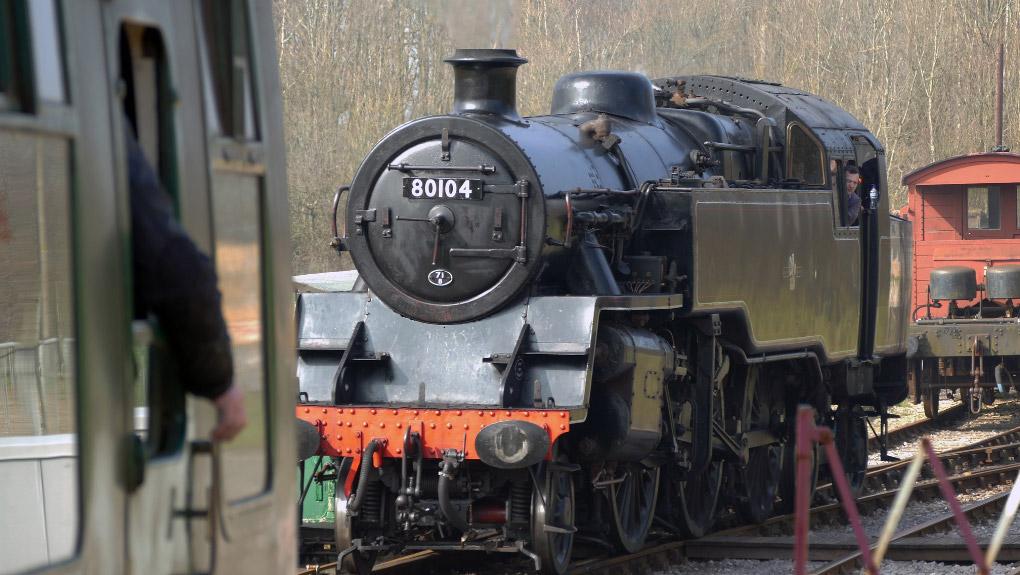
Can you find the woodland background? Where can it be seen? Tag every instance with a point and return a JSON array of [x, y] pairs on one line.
[[919, 73]]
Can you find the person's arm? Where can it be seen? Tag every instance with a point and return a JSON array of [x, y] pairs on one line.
[[177, 282]]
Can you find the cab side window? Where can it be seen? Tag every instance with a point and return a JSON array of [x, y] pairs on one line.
[[805, 160], [237, 184], [39, 502]]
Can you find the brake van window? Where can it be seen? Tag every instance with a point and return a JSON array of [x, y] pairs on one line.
[[983, 208]]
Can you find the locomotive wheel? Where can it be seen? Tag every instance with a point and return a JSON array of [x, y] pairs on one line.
[[926, 375], [788, 473], [357, 562], [761, 476], [696, 501], [852, 444], [761, 479], [633, 503], [552, 518]]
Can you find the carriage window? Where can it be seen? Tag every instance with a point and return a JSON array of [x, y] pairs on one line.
[[983, 207], [237, 213], [15, 93], [804, 159], [6, 53], [38, 427], [46, 50], [227, 67], [237, 205]]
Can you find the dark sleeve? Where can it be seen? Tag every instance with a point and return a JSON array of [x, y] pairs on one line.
[[853, 209], [177, 283]]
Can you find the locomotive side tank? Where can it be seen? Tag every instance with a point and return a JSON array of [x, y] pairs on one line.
[[579, 318]]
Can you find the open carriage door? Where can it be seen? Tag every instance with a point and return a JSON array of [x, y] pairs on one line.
[[242, 141], [185, 72]]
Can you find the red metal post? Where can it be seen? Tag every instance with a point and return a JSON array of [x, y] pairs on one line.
[[846, 497], [802, 501], [961, 520], [807, 435]]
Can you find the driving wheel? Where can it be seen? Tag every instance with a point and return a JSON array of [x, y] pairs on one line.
[[633, 505], [552, 516]]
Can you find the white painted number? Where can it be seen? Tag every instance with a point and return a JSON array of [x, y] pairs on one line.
[[441, 188]]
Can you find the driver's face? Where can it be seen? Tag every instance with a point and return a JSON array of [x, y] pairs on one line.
[[852, 181]]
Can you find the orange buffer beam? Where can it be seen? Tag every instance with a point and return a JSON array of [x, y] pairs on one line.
[[344, 431]]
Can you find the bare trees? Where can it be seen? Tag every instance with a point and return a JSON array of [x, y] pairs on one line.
[[350, 70], [919, 74]]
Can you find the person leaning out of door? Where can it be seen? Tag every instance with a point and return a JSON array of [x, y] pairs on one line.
[[177, 283]]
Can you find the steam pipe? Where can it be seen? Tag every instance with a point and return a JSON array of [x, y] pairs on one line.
[[446, 474], [705, 102], [366, 467]]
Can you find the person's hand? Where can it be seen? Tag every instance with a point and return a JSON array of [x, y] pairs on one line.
[[230, 415]]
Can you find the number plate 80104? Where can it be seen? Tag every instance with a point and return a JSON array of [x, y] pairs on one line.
[[442, 189]]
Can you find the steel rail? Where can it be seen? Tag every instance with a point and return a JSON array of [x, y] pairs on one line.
[[832, 513], [979, 454], [843, 554], [911, 431], [988, 506]]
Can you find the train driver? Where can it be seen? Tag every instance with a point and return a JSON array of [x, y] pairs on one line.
[[853, 201]]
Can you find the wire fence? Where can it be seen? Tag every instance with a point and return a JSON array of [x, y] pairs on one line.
[[37, 387]]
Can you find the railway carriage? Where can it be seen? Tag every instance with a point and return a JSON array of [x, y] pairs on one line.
[[570, 324], [103, 463], [966, 333]]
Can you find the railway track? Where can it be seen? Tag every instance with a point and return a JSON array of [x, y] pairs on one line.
[[832, 513], [843, 556], [998, 449], [913, 431]]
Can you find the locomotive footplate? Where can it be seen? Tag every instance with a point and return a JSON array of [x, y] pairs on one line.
[[346, 431]]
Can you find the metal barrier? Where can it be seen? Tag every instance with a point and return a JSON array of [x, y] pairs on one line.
[[808, 433], [9, 352]]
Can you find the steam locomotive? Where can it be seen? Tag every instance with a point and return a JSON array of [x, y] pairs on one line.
[[569, 325]]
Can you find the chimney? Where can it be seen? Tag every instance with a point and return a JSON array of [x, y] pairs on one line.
[[485, 82]]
